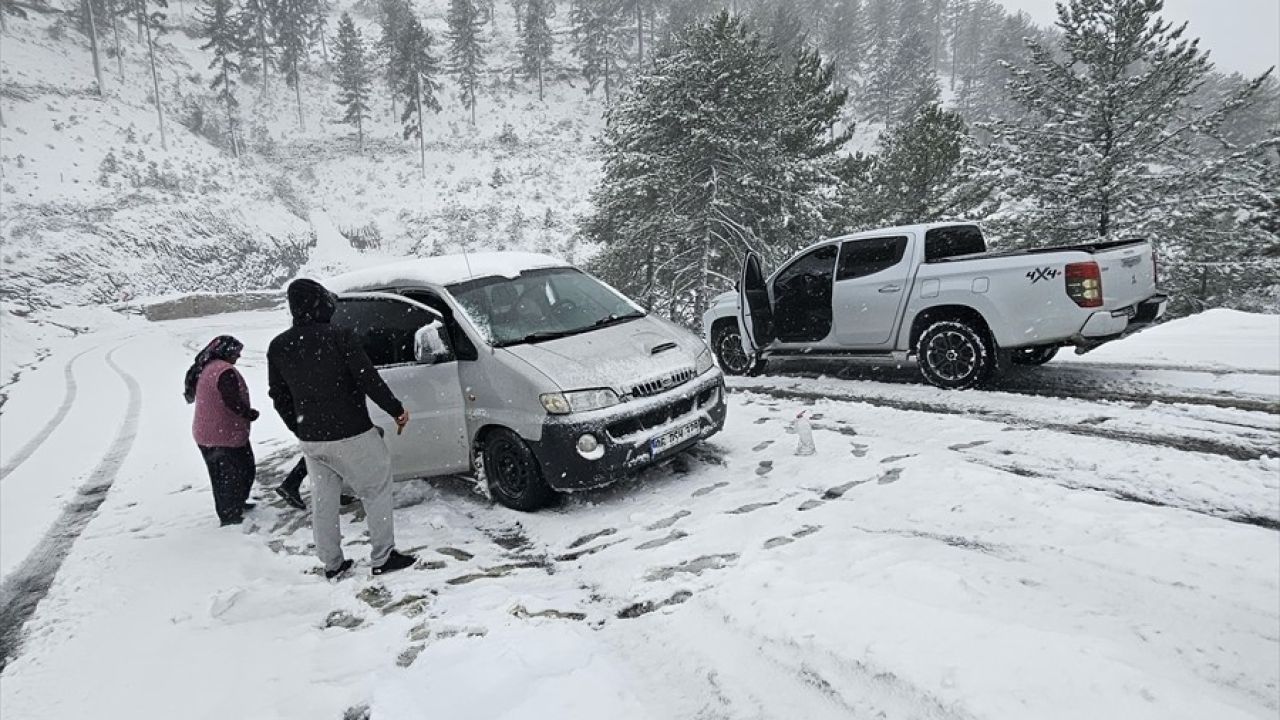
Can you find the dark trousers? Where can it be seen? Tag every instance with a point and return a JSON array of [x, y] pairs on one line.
[[231, 472], [294, 480]]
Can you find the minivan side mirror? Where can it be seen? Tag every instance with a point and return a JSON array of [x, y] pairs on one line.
[[429, 346]]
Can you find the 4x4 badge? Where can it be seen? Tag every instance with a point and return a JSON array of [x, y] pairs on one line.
[[1044, 273]]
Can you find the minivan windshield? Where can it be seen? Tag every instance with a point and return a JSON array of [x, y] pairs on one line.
[[541, 304]]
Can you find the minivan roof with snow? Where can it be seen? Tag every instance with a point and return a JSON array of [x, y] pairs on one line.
[[444, 270]]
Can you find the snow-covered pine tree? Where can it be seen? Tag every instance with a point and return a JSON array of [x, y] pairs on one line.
[[418, 70], [783, 29], [599, 42], [255, 17], [466, 49], [293, 30], [882, 29], [717, 149], [844, 39], [354, 75], [536, 40], [320, 10], [923, 170], [1107, 146], [898, 88], [223, 37], [393, 15], [518, 9]]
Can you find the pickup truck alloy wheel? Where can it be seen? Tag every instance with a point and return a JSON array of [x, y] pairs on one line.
[[513, 473], [1035, 355], [727, 344], [954, 356]]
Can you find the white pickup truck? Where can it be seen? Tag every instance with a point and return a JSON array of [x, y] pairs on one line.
[[934, 292]]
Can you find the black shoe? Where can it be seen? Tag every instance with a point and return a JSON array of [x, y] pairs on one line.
[[395, 561], [291, 497], [345, 500], [232, 521], [345, 566]]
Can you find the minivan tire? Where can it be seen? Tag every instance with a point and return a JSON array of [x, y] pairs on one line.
[[512, 472], [1034, 355], [726, 343], [955, 356]]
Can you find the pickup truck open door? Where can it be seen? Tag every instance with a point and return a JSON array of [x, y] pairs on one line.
[[755, 310]]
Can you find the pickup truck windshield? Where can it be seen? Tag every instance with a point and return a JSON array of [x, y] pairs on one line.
[[541, 304]]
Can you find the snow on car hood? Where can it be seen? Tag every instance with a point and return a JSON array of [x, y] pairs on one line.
[[616, 357]]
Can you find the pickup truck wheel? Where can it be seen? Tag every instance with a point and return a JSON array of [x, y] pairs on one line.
[[726, 341], [1035, 355], [512, 472], [954, 356]]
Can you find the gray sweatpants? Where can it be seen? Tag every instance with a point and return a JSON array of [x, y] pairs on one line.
[[363, 464]]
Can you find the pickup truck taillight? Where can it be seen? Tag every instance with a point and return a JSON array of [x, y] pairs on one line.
[[1155, 268], [1084, 284]]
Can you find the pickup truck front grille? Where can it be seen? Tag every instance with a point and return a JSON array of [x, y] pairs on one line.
[[662, 383]]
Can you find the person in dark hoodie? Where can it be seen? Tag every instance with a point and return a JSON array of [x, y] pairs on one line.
[[221, 425], [319, 377]]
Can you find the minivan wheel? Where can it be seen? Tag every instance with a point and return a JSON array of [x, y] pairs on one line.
[[726, 343], [1034, 355], [512, 472], [954, 356]]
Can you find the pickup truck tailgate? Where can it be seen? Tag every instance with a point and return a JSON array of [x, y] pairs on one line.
[[1128, 274]]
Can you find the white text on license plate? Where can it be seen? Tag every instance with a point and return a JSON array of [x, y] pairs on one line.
[[670, 439]]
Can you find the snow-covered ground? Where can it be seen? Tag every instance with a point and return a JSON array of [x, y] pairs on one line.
[[1001, 554]]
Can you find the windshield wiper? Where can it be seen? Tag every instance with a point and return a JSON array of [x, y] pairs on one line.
[[542, 335], [613, 319]]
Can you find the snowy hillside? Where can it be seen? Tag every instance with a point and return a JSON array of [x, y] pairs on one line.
[[96, 211]]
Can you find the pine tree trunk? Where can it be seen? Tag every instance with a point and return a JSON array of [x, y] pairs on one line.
[[93, 45], [422, 124], [324, 46], [539, 80], [606, 80], [142, 15], [262, 49], [650, 291], [297, 89], [155, 79], [639, 31], [115, 30], [231, 120]]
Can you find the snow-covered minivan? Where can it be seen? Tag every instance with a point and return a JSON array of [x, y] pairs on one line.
[[527, 372]]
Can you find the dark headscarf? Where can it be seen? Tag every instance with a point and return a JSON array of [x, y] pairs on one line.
[[223, 347], [310, 302]]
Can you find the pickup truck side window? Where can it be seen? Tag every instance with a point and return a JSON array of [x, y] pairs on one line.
[[384, 327], [953, 241], [859, 258], [802, 297]]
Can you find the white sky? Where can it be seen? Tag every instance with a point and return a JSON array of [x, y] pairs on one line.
[[1240, 35]]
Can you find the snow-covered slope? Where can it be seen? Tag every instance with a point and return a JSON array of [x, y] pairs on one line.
[[96, 211]]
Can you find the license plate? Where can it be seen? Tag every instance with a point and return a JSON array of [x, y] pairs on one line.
[[672, 438]]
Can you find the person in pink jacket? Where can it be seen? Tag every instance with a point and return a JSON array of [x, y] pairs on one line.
[[221, 425]]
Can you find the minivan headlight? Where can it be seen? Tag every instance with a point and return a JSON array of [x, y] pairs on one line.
[[578, 401], [704, 361]]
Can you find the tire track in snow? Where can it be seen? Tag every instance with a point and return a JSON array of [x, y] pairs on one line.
[[68, 398], [28, 584], [1225, 448]]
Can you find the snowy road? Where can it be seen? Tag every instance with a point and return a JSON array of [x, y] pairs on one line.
[[944, 555]]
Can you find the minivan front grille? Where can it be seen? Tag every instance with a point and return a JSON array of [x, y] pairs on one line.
[[652, 419], [662, 383]]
